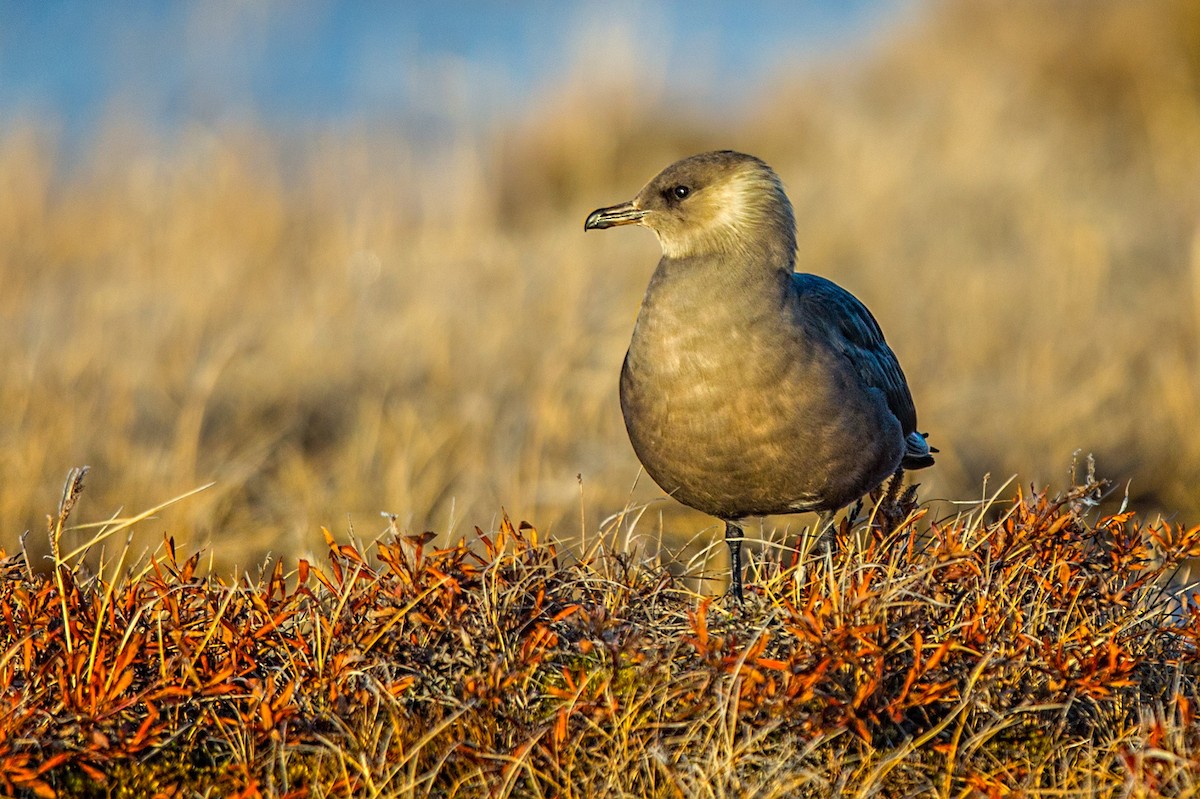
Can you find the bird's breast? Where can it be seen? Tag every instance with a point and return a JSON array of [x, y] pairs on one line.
[[735, 412]]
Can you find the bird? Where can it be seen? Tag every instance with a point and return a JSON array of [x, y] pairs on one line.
[[750, 389]]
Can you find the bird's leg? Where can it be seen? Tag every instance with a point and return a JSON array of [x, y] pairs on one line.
[[733, 537]]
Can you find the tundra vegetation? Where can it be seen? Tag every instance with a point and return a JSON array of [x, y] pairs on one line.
[[1025, 646]]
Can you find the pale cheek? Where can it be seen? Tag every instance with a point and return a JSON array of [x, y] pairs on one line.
[[678, 243], [674, 247]]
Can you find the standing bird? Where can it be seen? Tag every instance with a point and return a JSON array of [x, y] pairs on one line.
[[750, 389]]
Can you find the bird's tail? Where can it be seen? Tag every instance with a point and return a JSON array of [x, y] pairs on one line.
[[917, 452]]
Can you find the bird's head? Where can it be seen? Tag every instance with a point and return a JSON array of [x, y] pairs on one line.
[[714, 203]]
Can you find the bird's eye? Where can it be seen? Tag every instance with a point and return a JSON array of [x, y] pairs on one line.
[[680, 192]]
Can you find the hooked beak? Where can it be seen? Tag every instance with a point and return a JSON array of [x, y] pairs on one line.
[[623, 214]]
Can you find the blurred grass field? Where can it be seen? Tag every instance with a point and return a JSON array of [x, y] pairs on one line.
[[337, 323]]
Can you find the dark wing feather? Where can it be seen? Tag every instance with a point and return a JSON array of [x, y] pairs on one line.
[[853, 331]]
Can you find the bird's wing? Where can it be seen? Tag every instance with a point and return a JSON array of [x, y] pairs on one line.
[[854, 332]]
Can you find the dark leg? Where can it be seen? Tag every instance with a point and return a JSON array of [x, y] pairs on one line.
[[733, 537]]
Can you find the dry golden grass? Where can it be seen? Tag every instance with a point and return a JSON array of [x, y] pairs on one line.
[[332, 325]]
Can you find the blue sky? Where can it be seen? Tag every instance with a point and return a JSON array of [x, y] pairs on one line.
[[319, 62]]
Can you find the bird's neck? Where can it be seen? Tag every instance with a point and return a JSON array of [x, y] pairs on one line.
[[700, 286], [749, 269]]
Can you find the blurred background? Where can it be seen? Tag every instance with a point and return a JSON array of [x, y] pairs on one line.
[[331, 256]]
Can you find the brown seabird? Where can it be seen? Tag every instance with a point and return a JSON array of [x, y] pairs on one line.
[[751, 389]]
